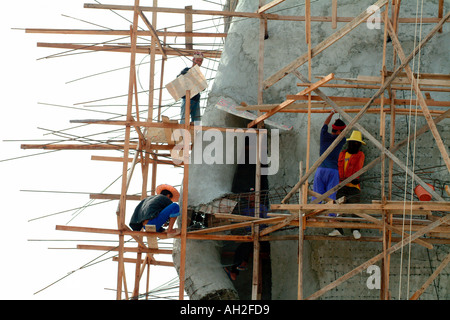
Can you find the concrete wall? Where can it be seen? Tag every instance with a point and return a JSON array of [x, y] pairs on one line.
[[358, 53]]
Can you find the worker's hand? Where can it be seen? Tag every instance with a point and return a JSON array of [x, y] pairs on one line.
[[333, 111]]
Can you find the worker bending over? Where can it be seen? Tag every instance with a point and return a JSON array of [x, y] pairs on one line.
[[157, 210]]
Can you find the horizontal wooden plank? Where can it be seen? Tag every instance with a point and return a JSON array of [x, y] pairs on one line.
[[127, 49], [140, 33], [349, 207], [101, 196], [152, 262], [243, 14], [126, 249]]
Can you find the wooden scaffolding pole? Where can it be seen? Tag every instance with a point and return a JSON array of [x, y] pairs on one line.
[[414, 83], [256, 292], [321, 46], [184, 207], [436, 272], [300, 240], [122, 204], [353, 122], [384, 265], [378, 257]]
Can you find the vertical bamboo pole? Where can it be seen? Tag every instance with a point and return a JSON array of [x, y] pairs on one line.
[[303, 196], [441, 12], [137, 275], [384, 274], [333, 14], [122, 205], [308, 141], [184, 208], [256, 244], [300, 241], [188, 27], [151, 90], [161, 83]]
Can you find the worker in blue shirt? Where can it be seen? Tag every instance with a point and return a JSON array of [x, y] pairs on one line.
[[327, 174]]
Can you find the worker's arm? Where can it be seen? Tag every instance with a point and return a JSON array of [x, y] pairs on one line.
[[170, 228], [328, 119]]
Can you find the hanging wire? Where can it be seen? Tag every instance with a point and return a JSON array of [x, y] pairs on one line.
[[407, 159]]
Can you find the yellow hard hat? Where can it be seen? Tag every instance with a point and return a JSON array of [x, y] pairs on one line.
[[356, 136]]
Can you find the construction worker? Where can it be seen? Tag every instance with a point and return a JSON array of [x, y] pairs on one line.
[[157, 210], [327, 174], [195, 100], [350, 161], [244, 249]]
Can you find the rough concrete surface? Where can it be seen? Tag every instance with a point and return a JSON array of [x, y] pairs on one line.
[[358, 53]]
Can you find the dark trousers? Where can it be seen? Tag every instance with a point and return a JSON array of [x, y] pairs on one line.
[[352, 195], [243, 252]]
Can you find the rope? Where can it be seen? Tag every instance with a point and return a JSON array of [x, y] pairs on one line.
[[413, 157]]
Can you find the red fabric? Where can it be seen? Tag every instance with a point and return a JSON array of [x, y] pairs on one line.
[[355, 163], [338, 127]]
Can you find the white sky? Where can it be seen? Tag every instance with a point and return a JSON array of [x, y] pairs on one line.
[[31, 86]]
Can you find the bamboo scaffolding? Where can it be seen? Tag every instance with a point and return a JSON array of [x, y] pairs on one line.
[[373, 216]]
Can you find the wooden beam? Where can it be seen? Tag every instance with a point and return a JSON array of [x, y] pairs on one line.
[[125, 249], [161, 235], [378, 257], [343, 238], [140, 33], [440, 12], [290, 101], [436, 272], [440, 144], [76, 146], [245, 14], [321, 46], [153, 33], [237, 225], [112, 196], [391, 228], [374, 207], [188, 27], [184, 205], [122, 202], [269, 5], [152, 262], [353, 122], [301, 235], [334, 14], [127, 49], [363, 100], [375, 161]]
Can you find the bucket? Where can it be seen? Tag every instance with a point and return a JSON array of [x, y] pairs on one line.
[[423, 194]]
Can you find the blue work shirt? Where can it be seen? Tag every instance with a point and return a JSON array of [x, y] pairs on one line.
[[326, 139]]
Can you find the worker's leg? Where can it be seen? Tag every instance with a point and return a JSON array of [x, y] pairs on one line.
[[318, 185], [171, 211], [353, 196], [195, 111], [182, 109], [242, 252], [332, 181], [340, 193]]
